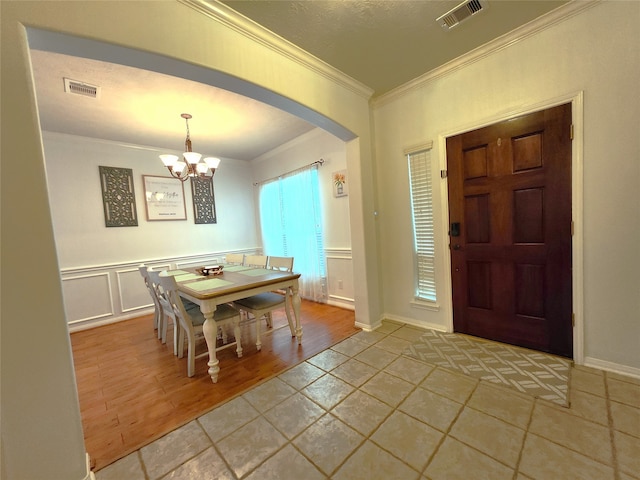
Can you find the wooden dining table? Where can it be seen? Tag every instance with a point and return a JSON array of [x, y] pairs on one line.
[[236, 282]]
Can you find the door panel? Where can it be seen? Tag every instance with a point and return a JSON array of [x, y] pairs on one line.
[[510, 190]]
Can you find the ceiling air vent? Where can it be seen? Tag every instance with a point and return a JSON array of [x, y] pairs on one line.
[[80, 88], [462, 12]]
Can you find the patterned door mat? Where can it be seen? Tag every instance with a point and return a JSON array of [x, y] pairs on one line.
[[538, 374]]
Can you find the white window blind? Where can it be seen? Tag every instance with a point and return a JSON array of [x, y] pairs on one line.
[[422, 209]]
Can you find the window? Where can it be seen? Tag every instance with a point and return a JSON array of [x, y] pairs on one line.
[[291, 225], [422, 210]]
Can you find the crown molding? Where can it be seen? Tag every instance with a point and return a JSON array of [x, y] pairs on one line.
[[224, 15], [508, 39]]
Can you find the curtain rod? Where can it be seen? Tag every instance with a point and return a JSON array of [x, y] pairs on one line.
[[317, 162]]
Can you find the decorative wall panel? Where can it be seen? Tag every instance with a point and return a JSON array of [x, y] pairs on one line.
[[118, 197], [204, 203]]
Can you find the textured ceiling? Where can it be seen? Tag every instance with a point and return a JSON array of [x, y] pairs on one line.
[[382, 44]]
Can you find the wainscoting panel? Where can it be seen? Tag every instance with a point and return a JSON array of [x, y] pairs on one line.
[[340, 278], [87, 297], [91, 301], [132, 291]]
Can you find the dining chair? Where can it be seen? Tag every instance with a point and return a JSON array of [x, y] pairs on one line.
[[157, 308], [263, 304], [255, 261], [192, 321], [234, 258]]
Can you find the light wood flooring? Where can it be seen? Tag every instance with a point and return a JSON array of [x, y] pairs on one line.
[[133, 390]]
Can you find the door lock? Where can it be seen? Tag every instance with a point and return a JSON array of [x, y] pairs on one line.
[[455, 229]]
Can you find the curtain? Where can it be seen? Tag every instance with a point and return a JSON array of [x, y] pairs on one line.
[[291, 225]]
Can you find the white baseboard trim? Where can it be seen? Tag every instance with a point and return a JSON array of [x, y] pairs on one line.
[[90, 475], [612, 367], [414, 323], [340, 302], [78, 327]]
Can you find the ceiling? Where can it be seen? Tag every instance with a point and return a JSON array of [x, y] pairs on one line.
[[382, 44]]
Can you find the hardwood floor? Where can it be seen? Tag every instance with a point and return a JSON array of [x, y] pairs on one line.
[[133, 390]]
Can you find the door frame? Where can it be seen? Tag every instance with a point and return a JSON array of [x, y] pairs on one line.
[[577, 190]]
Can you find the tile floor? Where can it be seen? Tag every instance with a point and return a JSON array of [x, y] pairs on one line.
[[361, 410]]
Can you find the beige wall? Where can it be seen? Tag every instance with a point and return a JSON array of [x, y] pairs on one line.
[[580, 54], [35, 443]]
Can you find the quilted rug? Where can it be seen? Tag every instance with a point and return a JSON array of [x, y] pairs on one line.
[[538, 374]]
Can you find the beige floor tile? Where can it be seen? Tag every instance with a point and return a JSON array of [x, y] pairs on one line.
[[388, 327], [370, 462], [544, 460], [624, 476], [328, 391], [168, 452], [227, 418], [431, 408], [587, 381], [625, 418], [491, 436], [589, 406], [128, 467], [411, 441], [294, 415], [251, 445], [584, 368], [376, 357], [206, 466], [287, 463], [583, 436], [628, 453], [269, 394], [408, 369], [388, 388], [350, 347], [623, 378], [512, 407], [408, 333], [354, 372], [456, 461], [301, 375], [328, 359], [368, 337], [451, 385], [328, 442], [624, 392], [362, 412], [393, 344]]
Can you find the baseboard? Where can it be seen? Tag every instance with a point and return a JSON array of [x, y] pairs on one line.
[[78, 327], [414, 323], [612, 367], [90, 475]]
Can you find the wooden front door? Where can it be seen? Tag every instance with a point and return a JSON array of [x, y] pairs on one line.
[[510, 231]]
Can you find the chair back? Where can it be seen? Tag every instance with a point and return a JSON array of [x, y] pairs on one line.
[[284, 264], [234, 258], [170, 289], [255, 261]]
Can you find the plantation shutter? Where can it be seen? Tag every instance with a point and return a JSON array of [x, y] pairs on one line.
[[422, 209]]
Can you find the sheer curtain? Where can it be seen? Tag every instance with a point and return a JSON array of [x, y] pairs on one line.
[[291, 224]]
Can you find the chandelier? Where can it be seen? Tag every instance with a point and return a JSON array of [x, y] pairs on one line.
[[190, 165]]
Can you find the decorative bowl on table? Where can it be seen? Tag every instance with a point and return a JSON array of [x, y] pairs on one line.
[[213, 270]]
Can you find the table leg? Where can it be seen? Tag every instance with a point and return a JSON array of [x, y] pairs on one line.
[[210, 330], [295, 300]]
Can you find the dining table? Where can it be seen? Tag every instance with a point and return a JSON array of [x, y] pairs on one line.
[[233, 283]]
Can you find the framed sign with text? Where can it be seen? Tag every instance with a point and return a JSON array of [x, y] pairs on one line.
[[164, 197]]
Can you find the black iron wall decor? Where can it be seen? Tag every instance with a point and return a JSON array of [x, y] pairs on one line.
[[118, 197], [204, 204]]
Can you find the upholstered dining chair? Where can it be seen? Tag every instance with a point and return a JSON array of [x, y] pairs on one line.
[[156, 303], [192, 321], [261, 305]]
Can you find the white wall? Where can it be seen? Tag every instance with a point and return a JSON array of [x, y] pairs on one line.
[[581, 53], [306, 149], [78, 217]]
